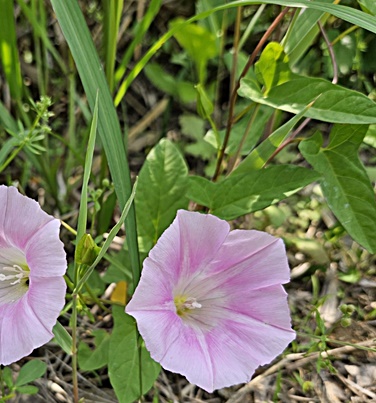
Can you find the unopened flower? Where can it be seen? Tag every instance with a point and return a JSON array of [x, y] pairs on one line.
[[32, 265], [210, 304]]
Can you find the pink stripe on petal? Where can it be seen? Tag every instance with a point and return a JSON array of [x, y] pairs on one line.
[[44, 251], [201, 236]]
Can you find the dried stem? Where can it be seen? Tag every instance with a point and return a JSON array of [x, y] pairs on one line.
[[234, 93], [331, 53]]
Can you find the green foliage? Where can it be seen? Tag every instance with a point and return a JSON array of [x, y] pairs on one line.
[[132, 372], [90, 360], [31, 371], [244, 193], [345, 185], [161, 192], [292, 93], [93, 79], [9, 51], [191, 38]]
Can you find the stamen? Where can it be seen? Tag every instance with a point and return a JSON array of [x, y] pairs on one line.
[[14, 282], [183, 304]]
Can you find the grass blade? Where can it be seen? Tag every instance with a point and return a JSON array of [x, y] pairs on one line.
[[93, 79]]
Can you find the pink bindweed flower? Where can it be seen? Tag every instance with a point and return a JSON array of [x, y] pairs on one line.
[[210, 304], [32, 265]]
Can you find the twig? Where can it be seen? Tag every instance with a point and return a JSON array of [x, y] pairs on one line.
[[293, 361], [234, 94], [331, 53]]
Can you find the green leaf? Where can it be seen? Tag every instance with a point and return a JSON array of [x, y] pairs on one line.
[[77, 34], [128, 360], [260, 155], [240, 194], [199, 43], [89, 359], [257, 120], [62, 338], [345, 182], [273, 69], [333, 103], [368, 6], [349, 14], [31, 371], [302, 32], [161, 191], [244, 193], [27, 389], [8, 377], [201, 190]]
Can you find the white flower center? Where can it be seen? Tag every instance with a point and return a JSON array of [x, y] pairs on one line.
[[13, 282]]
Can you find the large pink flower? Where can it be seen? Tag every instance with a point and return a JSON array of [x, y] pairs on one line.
[[210, 304], [32, 265]]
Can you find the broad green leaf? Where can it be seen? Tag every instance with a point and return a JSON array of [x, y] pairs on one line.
[[128, 360], [31, 371], [199, 43], [62, 338], [77, 34], [273, 69], [240, 194], [27, 389], [90, 359], [345, 182], [260, 155], [244, 193], [201, 190], [368, 6], [333, 103], [162, 185]]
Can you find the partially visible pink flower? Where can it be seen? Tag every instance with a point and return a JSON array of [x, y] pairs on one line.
[[32, 265], [210, 304]]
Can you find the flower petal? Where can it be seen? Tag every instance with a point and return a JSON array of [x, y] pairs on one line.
[[250, 259], [44, 252], [181, 246], [154, 291], [27, 323], [23, 217], [175, 346]]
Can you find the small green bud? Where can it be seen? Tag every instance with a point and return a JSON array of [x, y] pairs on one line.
[[86, 250], [105, 183], [343, 308], [345, 322]]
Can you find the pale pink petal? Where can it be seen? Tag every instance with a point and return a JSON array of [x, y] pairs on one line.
[[27, 323], [23, 217], [267, 305], [192, 240], [154, 291], [174, 345], [250, 259], [237, 349], [44, 251], [3, 204]]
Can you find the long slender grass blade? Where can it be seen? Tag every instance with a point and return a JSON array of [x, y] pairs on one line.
[[93, 79]]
